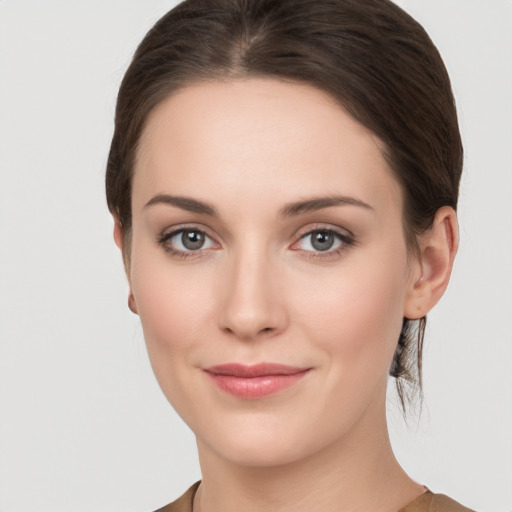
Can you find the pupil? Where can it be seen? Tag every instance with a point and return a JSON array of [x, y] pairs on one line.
[[192, 240], [322, 241]]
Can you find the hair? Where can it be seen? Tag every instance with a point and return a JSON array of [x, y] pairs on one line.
[[375, 60]]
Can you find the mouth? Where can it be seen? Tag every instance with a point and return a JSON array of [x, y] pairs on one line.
[[255, 381]]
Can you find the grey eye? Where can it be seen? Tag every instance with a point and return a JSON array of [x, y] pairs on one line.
[[188, 240], [322, 240], [192, 240]]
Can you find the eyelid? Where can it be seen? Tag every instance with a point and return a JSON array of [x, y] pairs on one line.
[[188, 225], [345, 236], [167, 234], [310, 228]]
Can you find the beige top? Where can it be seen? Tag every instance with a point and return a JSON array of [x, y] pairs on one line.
[[428, 502]]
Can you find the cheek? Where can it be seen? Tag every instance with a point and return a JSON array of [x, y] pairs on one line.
[[173, 306], [355, 314]]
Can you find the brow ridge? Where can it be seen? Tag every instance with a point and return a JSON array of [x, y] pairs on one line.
[[185, 203], [318, 203], [291, 209]]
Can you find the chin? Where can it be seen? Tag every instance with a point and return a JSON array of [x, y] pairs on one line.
[[265, 451], [261, 440]]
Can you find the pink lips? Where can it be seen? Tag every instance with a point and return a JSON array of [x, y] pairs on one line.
[[255, 381]]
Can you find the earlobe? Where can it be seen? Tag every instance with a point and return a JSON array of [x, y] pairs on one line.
[[437, 250], [131, 303]]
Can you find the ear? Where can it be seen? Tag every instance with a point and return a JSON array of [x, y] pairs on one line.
[[118, 233], [433, 266], [119, 240]]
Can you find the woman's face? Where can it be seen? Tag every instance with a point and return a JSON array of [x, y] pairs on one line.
[[267, 230]]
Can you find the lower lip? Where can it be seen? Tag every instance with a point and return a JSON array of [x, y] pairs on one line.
[[255, 387]]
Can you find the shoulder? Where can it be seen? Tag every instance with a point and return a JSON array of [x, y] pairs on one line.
[[431, 502], [442, 503], [428, 502], [183, 503]]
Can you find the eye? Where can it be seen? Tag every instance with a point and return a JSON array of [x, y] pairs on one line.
[[320, 241], [327, 241], [183, 241]]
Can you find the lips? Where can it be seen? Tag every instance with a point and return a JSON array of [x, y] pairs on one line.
[[254, 381]]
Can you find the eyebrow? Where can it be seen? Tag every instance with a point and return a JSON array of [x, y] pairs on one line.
[[185, 203], [288, 210], [318, 203]]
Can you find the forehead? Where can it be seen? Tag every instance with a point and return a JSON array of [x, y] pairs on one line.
[[259, 134]]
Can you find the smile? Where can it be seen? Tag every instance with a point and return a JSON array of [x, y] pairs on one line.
[[254, 381]]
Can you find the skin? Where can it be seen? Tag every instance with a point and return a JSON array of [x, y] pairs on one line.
[[259, 291]]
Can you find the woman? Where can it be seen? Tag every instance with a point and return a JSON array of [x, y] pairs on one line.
[[283, 178]]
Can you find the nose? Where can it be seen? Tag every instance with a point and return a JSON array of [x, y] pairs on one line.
[[253, 303]]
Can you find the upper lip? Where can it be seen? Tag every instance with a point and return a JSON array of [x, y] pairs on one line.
[[254, 370]]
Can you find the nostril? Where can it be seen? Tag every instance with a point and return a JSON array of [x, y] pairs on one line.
[[243, 334]]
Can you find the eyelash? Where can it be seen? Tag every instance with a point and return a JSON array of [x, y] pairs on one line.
[[345, 240], [177, 253]]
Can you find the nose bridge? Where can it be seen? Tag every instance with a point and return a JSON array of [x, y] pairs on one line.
[[252, 303]]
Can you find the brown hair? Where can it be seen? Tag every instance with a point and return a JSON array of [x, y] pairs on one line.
[[369, 55]]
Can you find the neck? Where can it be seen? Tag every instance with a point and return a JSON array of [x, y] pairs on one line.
[[336, 478]]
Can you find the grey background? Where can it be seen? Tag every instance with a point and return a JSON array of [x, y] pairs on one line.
[[83, 425]]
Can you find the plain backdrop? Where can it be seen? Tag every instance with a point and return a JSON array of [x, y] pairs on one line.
[[83, 424]]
